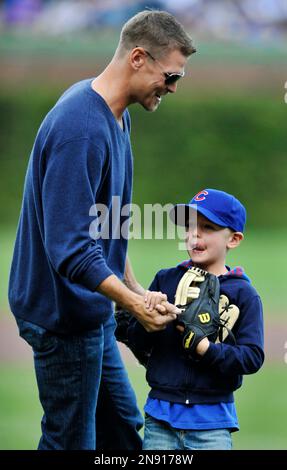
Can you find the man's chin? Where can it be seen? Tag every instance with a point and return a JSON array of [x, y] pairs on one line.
[[151, 106], [151, 109]]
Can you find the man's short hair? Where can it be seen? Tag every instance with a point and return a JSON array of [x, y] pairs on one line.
[[157, 31]]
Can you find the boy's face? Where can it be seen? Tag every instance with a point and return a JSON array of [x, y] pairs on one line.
[[207, 243]]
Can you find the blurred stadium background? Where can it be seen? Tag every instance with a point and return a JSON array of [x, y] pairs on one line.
[[225, 128]]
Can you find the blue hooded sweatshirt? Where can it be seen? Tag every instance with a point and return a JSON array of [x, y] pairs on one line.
[[176, 378]]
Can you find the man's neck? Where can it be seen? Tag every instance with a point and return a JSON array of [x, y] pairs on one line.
[[112, 88]]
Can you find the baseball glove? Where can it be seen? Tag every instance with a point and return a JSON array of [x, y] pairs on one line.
[[228, 314], [200, 317], [123, 319]]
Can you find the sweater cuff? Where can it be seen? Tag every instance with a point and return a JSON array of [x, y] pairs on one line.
[[93, 277]]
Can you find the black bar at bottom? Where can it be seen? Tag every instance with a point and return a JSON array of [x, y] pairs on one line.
[[194, 459]]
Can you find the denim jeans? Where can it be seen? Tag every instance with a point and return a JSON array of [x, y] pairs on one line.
[[72, 372], [159, 435]]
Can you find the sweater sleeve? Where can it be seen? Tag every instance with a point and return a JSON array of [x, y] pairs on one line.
[[246, 356], [72, 178]]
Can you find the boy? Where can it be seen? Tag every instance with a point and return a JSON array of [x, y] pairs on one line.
[[191, 404]]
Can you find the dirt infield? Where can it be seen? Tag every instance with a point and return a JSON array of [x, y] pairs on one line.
[[14, 349]]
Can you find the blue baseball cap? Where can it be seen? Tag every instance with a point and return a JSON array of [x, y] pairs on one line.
[[219, 207]]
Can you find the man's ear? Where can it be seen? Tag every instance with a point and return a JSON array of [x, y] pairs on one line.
[[235, 239], [137, 58]]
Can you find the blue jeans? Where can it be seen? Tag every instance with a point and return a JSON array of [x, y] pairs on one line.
[[72, 372], [159, 435]]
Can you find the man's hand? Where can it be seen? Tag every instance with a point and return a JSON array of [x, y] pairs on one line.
[[156, 319], [156, 313]]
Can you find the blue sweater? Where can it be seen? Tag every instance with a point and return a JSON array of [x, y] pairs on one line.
[[176, 378], [81, 157]]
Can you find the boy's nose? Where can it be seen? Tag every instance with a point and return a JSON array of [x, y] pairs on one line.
[[194, 232]]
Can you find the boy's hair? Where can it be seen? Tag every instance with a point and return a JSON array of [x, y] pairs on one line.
[[157, 31]]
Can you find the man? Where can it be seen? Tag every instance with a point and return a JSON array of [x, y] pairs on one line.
[[62, 281]]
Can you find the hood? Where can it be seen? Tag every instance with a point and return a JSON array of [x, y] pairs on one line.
[[235, 273]]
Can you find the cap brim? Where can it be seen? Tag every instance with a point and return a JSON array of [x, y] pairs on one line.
[[180, 214]]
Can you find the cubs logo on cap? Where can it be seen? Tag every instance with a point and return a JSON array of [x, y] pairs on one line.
[[217, 206], [200, 196]]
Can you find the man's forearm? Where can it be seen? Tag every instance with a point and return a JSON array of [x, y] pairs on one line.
[[117, 291]]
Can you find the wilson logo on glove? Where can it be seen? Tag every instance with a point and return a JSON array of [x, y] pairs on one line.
[[204, 317]]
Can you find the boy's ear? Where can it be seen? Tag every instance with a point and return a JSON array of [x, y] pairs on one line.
[[235, 239]]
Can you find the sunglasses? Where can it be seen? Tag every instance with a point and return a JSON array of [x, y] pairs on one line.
[[170, 77]]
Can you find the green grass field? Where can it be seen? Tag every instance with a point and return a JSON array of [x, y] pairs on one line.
[[261, 406], [262, 254], [261, 402]]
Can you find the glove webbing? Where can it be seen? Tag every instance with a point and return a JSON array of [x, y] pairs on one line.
[[185, 289], [228, 316]]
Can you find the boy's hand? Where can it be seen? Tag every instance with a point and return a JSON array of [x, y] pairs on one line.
[[153, 299], [202, 347]]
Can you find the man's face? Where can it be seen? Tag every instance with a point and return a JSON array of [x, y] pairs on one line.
[[152, 86]]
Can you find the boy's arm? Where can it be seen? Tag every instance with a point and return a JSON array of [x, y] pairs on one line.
[[130, 280], [246, 356]]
